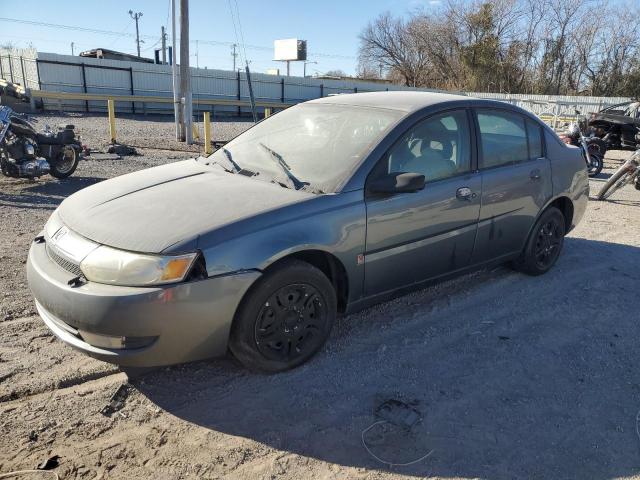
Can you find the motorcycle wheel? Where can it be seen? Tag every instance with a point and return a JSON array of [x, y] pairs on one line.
[[597, 162], [66, 163], [617, 180], [597, 145]]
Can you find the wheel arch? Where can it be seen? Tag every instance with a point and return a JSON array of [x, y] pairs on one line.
[[562, 203], [330, 265], [565, 205]]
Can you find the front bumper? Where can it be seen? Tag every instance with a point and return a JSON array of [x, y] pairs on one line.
[[174, 324]]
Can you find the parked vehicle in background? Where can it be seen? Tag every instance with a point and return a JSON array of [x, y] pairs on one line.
[[593, 148], [325, 208], [628, 173], [618, 125], [25, 152]]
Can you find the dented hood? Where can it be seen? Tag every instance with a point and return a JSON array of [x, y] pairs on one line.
[[155, 209]]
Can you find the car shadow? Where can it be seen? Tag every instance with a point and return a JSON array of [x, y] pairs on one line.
[[43, 195], [514, 376]]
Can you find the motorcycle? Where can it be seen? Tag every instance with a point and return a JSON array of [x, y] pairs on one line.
[[27, 153], [627, 173], [593, 148]]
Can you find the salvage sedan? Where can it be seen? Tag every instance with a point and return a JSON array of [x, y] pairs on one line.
[[322, 209]]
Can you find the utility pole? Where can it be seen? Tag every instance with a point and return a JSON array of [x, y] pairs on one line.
[[234, 55], [197, 59], [164, 46], [185, 74], [136, 16], [177, 111], [380, 65], [71, 48]]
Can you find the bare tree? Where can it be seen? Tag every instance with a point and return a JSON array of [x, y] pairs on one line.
[[394, 43], [545, 46]]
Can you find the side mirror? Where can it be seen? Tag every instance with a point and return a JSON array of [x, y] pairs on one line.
[[397, 182]]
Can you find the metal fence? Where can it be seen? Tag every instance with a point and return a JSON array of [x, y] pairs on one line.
[[555, 109], [64, 73]]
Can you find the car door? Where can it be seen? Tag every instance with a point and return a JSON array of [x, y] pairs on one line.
[[516, 181], [424, 234]]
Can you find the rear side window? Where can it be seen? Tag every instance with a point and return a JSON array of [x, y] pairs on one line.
[[503, 137], [534, 131]]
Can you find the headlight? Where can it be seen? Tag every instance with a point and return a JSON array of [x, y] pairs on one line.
[[119, 267]]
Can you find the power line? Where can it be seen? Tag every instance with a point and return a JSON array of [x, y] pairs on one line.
[[244, 50], [121, 33], [152, 37]]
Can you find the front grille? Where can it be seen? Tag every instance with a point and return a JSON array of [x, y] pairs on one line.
[[67, 265]]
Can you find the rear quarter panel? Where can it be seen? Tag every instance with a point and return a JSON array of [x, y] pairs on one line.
[[569, 174]]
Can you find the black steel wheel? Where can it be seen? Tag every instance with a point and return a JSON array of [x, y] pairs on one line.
[[548, 240], [284, 319], [544, 244], [291, 322]]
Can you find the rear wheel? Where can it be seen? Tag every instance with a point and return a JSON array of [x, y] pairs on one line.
[[544, 244], [284, 319], [596, 145], [66, 163]]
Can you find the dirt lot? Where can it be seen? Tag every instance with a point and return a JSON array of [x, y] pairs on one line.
[[515, 377]]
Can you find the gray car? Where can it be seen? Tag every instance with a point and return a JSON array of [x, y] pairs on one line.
[[322, 209]]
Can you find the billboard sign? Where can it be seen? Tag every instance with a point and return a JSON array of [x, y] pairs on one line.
[[289, 49]]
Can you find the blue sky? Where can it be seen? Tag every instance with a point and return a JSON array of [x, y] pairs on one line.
[[330, 27]]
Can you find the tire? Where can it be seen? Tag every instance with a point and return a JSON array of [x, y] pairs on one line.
[[597, 149], [597, 145], [597, 163], [66, 163], [544, 244], [612, 184], [276, 328]]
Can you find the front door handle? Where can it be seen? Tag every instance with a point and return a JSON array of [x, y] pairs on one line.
[[535, 174], [465, 193]]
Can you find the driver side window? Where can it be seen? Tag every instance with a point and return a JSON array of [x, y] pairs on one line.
[[438, 147]]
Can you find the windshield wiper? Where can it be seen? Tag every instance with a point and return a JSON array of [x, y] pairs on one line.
[[297, 184], [236, 167]]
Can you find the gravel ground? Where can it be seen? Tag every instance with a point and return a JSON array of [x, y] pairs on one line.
[[515, 377]]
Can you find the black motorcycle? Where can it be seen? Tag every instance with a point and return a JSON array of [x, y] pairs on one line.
[[593, 148], [25, 152]]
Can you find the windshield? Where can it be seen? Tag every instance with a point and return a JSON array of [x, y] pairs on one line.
[[308, 146]]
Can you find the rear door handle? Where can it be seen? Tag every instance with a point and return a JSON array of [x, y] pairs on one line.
[[465, 193], [535, 174]]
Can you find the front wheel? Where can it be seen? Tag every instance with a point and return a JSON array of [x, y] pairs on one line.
[[66, 163], [619, 179], [284, 319], [595, 165], [544, 244]]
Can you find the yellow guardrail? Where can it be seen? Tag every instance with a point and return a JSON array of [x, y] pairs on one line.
[[111, 99], [152, 99]]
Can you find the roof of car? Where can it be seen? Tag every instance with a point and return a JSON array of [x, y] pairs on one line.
[[407, 101]]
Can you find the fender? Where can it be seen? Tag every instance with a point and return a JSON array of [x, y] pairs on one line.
[[335, 225]]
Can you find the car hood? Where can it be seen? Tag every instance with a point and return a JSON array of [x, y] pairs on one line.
[[168, 206]]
